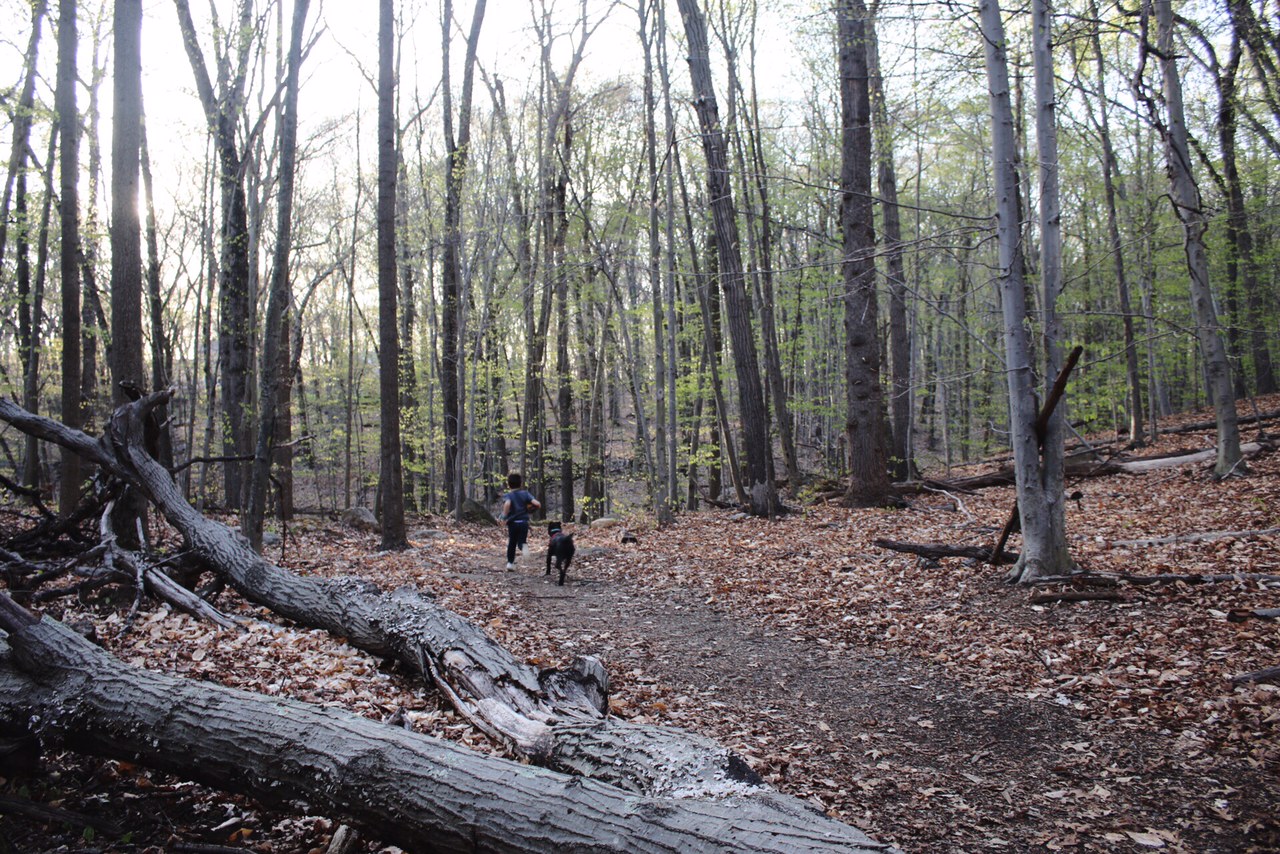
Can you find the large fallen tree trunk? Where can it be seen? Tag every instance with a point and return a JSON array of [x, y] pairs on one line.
[[937, 551], [1074, 470], [551, 717], [411, 790], [1197, 426], [1153, 463]]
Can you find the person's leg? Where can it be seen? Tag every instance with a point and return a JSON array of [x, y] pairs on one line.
[[523, 534], [512, 540]]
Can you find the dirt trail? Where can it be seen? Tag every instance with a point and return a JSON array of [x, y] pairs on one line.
[[902, 750]]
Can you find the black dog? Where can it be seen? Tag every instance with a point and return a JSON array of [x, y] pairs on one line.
[[560, 548]]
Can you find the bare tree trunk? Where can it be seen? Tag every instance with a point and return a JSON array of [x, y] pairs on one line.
[[902, 456], [390, 476], [161, 344], [1044, 541], [762, 496], [93, 326], [1242, 262], [28, 301], [69, 248], [32, 304], [1137, 420], [274, 376], [1247, 27], [222, 112], [865, 413], [754, 164], [663, 470], [1187, 205], [26, 350], [127, 376], [457, 154]]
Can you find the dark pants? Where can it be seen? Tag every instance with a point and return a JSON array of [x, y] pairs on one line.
[[517, 536]]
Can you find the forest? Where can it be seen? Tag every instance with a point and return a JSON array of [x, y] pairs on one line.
[[903, 321]]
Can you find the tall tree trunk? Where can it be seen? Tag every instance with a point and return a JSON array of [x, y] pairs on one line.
[[93, 327], [1242, 262], [127, 377], [762, 496], [69, 248], [222, 111], [1044, 542], [457, 154], [22, 274], [31, 368], [902, 453], [865, 413], [161, 346], [1137, 421], [1188, 207], [756, 166], [663, 471], [23, 114], [409, 426], [28, 328], [274, 376], [390, 477], [1052, 530]]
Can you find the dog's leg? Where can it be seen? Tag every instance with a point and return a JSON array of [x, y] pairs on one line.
[[563, 566], [549, 550]]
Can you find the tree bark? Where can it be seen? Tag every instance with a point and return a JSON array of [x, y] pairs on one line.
[[1137, 420], [222, 112], [864, 402], [1189, 208], [457, 154], [1242, 263], [69, 248], [126, 239], [390, 478], [761, 494], [161, 342], [274, 375], [1044, 538], [403, 788], [664, 471], [902, 458]]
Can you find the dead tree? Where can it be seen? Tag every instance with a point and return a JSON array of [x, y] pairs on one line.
[[554, 718], [408, 789]]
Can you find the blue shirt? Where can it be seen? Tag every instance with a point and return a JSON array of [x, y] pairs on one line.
[[519, 499]]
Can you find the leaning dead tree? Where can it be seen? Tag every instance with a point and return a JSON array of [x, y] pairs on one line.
[[412, 790], [553, 718]]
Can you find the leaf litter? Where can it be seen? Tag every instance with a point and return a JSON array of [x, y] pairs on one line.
[[925, 701]]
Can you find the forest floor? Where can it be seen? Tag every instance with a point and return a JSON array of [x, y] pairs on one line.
[[929, 703]]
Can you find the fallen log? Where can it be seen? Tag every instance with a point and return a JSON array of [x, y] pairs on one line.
[[1073, 470], [554, 718], [1240, 615], [1196, 426], [1077, 596], [1140, 466], [404, 788], [1198, 537], [1270, 674], [936, 551], [1001, 477], [1113, 579]]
